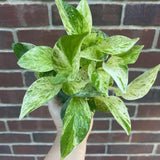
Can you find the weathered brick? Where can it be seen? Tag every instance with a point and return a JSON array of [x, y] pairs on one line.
[[31, 149], [11, 79], [147, 60], [100, 125], [106, 14], [129, 149], [44, 137], [145, 157], [11, 96], [5, 149], [95, 149], [40, 37], [146, 137], [158, 149], [8, 61], [6, 39], [29, 78], [15, 158], [140, 125], [148, 111], [31, 125], [14, 138], [158, 43], [107, 137], [142, 14], [41, 112], [9, 111], [108, 157], [23, 15], [2, 126], [146, 35]]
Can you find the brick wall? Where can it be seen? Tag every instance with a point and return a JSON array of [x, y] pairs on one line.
[[37, 21]]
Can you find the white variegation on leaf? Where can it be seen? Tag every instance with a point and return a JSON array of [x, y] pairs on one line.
[[118, 109], [116, 67], [139, 87], [76, 124], [131, 56], [38, 59], [117, 44], [39, 93], [84, 9], [72, 19]]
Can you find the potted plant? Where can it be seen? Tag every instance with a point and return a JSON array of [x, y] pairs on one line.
[[87, 70]]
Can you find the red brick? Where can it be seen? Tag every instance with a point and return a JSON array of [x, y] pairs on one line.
[[100, 125], [147, 60], [44, 137], [107, 137], [158, 43], [140, 125], [29, 78], [108, 157], [2, 126], [145, 158], [15, 158], [12, 96], [95, 149], [129, 149], [40, 37], [158, 149], [31, 149], [31, 125], [23, 15], [9, 111], [14, 138], [146, 137], [146, 35], [41, 158], [106, 14], [41, 112], [142, 14], [6, 39], [11, 80], [149, 111], [4, 149], [8, 61]]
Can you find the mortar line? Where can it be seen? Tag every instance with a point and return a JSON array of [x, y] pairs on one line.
[[122, 14], [155, 40]]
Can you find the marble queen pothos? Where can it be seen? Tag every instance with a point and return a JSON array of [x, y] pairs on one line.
[[83, 66]]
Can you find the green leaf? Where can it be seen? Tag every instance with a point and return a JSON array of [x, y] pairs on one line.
[[21, 48], [119, 111], [139, 87], [37, 59], [66, 53], [71, 88], [99, 78], [44, 74], [88, 91], [93, 53], [131, 56], [100, 33], [72, 19], [84, 9], [97, 103], [39, 93], [116, 67], [117, 44], [76, 124]]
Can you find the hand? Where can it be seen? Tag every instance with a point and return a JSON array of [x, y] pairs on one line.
[[78, 153]]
